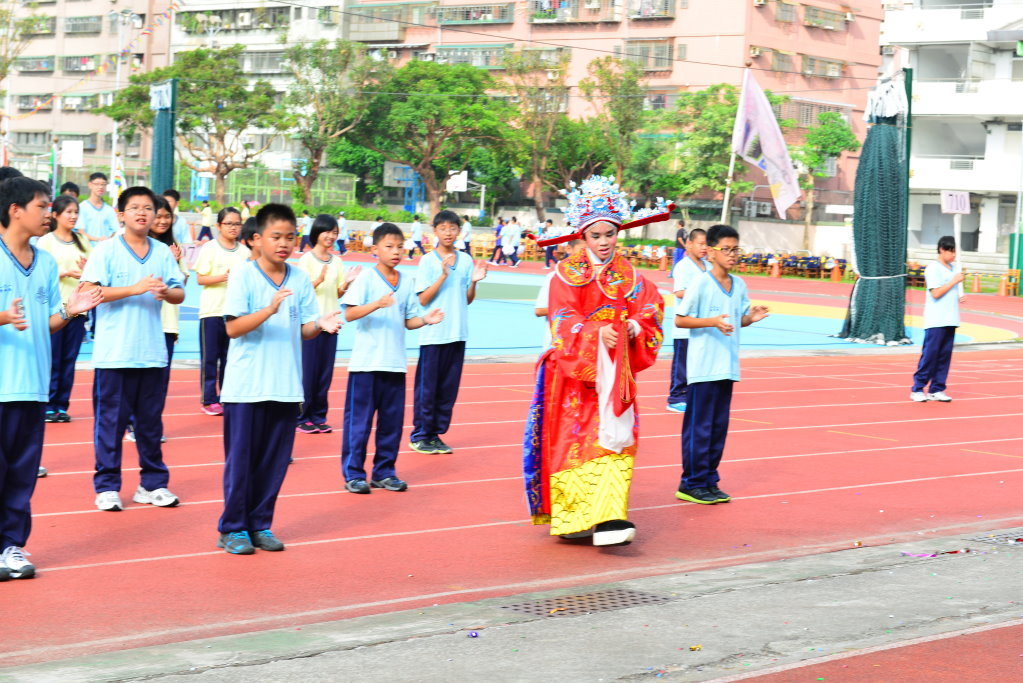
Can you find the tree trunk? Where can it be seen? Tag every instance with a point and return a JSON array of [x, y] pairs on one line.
[[220, 185], [433, 190], [305, 182], [541, 210]]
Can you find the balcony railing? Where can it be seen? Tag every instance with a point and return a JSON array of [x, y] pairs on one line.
[[41, 26], [35, 102], [34, 64], [652, 9], [83, 25], [476, 14], [574, 11]]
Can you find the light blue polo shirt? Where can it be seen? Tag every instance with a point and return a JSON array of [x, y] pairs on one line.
[[128, 332], [266, 363], [943, 312], [712, 355], [379, 344], [25, 354], [101, 222], [451, 298], [180, 230], [682, 274]]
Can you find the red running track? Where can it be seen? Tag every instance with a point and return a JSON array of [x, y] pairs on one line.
[[823, 452]]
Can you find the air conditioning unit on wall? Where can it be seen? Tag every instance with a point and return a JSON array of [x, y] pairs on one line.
[[754, 51]]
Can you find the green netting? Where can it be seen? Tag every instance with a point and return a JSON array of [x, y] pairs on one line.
[[877, 307]]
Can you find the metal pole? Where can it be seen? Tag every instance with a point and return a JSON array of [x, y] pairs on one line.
[[725, 209], [908, 84], [483, 198], [117, 86]]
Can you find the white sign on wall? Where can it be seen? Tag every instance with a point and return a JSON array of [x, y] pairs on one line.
[[72, 153], [954, 201]]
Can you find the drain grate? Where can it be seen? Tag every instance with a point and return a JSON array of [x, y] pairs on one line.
[[1000, 539], [587, 603]]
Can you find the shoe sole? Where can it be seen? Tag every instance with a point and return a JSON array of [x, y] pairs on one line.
[[388, 488], [359, 492], [142, 501], [275, 549], [243, 551], [27, 574], [425, 451], [576, 535], [690, 499], [115, 508], [616, 537]]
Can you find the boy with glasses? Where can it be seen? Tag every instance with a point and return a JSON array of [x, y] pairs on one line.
[[96, 219], [713, 303]]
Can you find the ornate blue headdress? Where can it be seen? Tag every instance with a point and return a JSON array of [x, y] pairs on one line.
[[598, 198]]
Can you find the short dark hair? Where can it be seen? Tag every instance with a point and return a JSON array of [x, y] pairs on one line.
[[9, 172], [19, 191], [70, 187], [716, 233], [305, 212], [274, 212], [172, 194], [947, 243], [223, 213], [379, 218], [446, 216], [681, 235], [696, 232], [385, 230], [98, 175], [323, 222], [248, 230], [136, 191]]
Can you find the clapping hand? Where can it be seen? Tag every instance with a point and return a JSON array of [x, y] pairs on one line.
[[279, 296], [758, 313], [175, 252], [16, 315], [159, 289], [81, 300], [351, 274], [449, 261], [385, 301], [723, 325], [433, 317], [331, 322], [479, 271]]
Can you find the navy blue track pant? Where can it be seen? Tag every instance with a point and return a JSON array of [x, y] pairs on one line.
[[213, 342], [372, 393], [704, 430], [64, 346], [318, 356], [438, 376], [258, 440], [117, 395], [678, 392], [935, 359], [21, 449]]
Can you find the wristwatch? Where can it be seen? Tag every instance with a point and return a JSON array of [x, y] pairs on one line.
[[66, 315]]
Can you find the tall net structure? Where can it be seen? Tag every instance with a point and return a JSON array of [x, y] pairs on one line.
[[877, 307]]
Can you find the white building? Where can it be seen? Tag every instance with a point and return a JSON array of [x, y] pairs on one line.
[[967, 113]]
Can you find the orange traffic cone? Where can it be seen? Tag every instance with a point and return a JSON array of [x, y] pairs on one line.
[[1003, 286], [836, 273], [776, 269], [975, 283]]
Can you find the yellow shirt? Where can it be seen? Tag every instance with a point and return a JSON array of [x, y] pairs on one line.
[[170, 314], [326, 293], [66, 254], [214, 259]]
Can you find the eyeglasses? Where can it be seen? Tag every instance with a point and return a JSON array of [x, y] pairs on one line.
[[730, 251], [140, 209], [231, 224]]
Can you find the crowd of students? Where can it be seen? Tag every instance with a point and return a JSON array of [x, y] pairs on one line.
[[257, 311]]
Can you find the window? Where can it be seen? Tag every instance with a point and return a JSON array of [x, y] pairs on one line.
[[550, 55], [782, 61], [88, 140], [581, 11], [41, 26], [35, 102], [34, 64], [262, 62], [82, 25], [785, 11], [485, 57], [298, 13], [81, 64], [818, 17], [651, 55], [133, 21], [656, 101], [79, 103], [806, 113], [825, 68], [32, 139], [327, 15], [476, 14], [651, 9]]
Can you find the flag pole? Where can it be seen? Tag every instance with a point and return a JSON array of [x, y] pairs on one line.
[[725, 208]]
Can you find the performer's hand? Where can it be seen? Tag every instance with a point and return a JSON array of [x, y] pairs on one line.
[[159, 289], [385, 301], [16, 315], [433, 317], [479, 271], [175, 252], [609, 335], [633, 327], [81, 301], [448, 262], [758, 313], [351, 274], [721, 322], [279, 296], [962, 299], [331, 322], [147, 284]]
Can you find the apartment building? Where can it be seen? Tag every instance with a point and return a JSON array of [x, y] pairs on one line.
[[967, 114], [69, 68]]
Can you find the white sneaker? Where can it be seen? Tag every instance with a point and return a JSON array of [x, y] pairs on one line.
[[129, 434], [939, 396], [161, 498], [918, 396], [14, 558], [109, 501]]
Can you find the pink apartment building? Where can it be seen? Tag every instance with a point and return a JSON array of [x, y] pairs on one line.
[[824, 55]]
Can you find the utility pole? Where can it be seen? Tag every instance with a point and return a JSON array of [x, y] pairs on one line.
[[122, 17]]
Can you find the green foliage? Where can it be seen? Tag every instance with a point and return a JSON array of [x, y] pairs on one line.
[[647, 174], [430, 116], [617, 88], [488, 166], [827, 140], [577, 152], [363, 162]]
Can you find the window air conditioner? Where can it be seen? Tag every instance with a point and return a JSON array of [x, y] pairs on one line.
[[849, 16], [428, 56], [759, 3], [244, 19], [764, 208], [754, 51], [392, 54], [592, 4]]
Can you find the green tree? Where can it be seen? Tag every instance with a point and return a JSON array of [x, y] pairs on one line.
[[364, 163], [429, 116], [826, 141], [326, 98], [494, 167], [216, 107], [616, 87], [576, 153], [540, 92]]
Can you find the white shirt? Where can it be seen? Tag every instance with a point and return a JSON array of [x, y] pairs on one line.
[[943, 312], [682, 275]]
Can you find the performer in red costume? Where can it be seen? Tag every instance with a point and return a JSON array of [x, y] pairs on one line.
[[605, 321]]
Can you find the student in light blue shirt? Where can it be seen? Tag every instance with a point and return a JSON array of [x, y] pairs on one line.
[[96, 219], [941, 318], [683, 273], [713, 305], [136, 274], [446, 279], [180, 229], [383, 302], [270, 308], [30, 310], [417, 237]]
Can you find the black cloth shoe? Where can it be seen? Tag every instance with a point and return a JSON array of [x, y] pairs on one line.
[[700, 495], [440, 447], [390, 483], [719, 494], [62, 416], [357, 486], [614, 532]]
